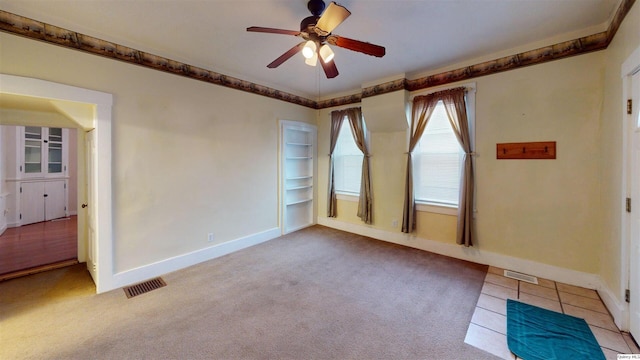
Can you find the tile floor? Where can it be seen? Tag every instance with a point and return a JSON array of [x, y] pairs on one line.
[[488, 327]]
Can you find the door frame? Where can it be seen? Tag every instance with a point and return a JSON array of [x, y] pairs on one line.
[[630, 66], [17, 85]]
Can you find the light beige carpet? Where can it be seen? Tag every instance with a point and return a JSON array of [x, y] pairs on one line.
[[318, 293]]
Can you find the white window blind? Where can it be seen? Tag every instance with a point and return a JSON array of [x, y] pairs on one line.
[[347, 157], [437, 162]]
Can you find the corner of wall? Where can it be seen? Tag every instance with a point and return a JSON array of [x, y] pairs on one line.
[[619, 310], [386, 112]]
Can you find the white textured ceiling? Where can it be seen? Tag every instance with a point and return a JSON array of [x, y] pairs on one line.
[[419, 35]]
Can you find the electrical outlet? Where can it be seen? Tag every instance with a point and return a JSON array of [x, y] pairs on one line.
[[210, 237], [394, 223]]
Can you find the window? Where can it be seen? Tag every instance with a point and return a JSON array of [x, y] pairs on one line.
[[43, 151], [32, 149], [437, 162], [347, 162]]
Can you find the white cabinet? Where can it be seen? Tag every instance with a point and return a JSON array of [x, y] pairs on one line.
[[36, 175], [42, 201], [297, 169], [3, 213]]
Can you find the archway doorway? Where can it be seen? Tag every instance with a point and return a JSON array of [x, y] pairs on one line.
[[96, 124]]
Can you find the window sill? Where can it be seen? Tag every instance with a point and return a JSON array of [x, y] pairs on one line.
[[348, 197], [437, 208], [420, 206]]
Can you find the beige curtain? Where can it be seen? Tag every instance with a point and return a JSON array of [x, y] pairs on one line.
[[336, 122], [457, 112], [365, 203], [356, 122], [421, 111]]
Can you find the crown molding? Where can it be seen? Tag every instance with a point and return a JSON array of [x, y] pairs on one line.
[[37, 30]]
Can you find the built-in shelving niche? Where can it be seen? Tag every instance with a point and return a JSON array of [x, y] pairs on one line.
[[297, 175]]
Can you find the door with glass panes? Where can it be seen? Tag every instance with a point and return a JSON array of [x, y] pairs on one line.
[[44, 152]]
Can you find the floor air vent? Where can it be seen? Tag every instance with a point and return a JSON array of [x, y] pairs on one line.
[[144, 287], [521, 277]]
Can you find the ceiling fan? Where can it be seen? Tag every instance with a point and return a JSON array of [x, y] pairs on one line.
[[316, 32]]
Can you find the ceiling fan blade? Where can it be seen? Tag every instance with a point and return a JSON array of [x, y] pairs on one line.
[[329, 68], [355, 45], [273, 31], [333, 16], [284, 57]]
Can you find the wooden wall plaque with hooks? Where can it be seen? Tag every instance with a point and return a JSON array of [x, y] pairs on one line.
[[526, 150]]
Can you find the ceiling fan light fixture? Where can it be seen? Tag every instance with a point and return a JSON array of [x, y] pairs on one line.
[[326, 53], [316, 33], [309, 50], [332, 16], [313, 60]]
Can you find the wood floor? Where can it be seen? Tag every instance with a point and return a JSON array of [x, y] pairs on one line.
[[33, 246]]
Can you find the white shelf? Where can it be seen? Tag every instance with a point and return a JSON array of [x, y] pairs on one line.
[[299, 158], [299, 202], [298, 144], [300, 187]]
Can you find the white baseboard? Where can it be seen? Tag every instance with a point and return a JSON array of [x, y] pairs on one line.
[[146, 272], [473, 254], [619, 310], [476, 255]]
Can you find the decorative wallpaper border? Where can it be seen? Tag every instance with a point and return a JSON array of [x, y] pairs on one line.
[[19, 25], [538, 56]]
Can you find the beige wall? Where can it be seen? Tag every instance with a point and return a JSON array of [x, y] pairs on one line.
[[624, 43], [189, 158], [546, 211]]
